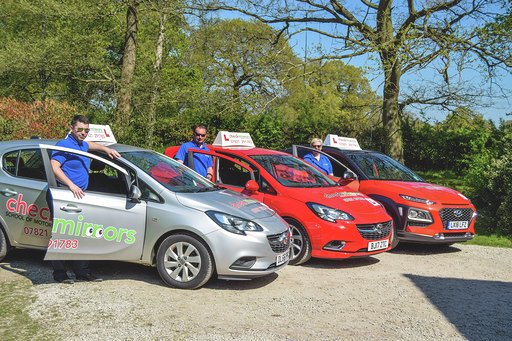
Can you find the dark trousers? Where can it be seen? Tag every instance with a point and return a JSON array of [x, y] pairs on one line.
[[80, 268]]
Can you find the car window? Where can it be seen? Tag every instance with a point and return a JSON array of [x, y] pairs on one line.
[[292, 172], [104, 178], [168, 172], [148, 193], [381, 167], [232, 174], [9, 162], [25, 163]]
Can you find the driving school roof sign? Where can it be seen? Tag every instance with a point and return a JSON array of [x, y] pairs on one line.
[[101, 134], [341, 142], [230, 139]]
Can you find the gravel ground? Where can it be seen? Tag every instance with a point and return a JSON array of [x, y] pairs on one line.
[[462, 292]]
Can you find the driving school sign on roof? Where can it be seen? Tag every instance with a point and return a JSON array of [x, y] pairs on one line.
[[341, 142], [231, 139], [101, 134]]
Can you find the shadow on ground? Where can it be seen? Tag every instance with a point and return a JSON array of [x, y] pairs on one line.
[[31, 265], [349, 263], [424, 249], [480, 310]]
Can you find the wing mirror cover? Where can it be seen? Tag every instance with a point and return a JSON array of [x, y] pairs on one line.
[[252, 186]]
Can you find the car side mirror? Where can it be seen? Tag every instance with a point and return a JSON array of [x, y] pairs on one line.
[[347, 178], [348, 175], [252, 186], [134, 194]]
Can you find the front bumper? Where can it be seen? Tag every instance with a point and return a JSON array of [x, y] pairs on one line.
[[244, 256], [438, 238]]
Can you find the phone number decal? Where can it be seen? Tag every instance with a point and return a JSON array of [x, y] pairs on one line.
[[34, 231], [63, 244]]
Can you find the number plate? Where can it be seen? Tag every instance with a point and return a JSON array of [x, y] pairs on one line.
[[282, 258], [378, 245], [457, 225]]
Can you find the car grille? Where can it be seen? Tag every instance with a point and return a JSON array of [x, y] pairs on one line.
[[373, 231], [455, 214], [418, 223], [279, 242]]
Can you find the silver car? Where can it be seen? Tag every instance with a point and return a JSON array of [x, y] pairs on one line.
[[143, 207]]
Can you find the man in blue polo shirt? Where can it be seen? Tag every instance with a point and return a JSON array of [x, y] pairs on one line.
[[319, 161], [72, 170], [203, 164]]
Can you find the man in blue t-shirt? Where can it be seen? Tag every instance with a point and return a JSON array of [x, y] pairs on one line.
[[203, 164], [72, 170], [319, 161]]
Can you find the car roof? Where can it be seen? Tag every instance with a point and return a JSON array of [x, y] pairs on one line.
[[250, 151], [35, 142]]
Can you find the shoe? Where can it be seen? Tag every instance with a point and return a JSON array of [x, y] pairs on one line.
[[88, 278], [65, 280]]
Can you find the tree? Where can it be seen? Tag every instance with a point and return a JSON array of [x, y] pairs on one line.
[[246, 65], [57, 50], [124, 101], [405, 37]]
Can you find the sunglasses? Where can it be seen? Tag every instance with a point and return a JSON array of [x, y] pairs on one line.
[[202, 135], [83, 129], [317, 146]]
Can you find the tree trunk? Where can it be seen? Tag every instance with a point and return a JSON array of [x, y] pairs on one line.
[[124, 102], [391, 115], [157, 66]]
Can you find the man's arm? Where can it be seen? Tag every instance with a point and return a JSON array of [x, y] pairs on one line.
[[59, 174], [209, 173], [101, 148]]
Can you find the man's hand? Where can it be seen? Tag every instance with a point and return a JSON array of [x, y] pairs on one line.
[[77, 191], [112, 153]]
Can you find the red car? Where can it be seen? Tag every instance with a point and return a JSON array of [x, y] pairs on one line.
[[327, 219], [422, 212]]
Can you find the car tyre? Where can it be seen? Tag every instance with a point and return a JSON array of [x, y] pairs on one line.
[[184, 262], [300, 246], [394, 236], [3, 245]]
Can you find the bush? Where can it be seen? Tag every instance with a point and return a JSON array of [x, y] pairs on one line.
[[20, 120]]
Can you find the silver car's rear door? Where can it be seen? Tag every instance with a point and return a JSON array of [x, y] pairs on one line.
[[99, 226]]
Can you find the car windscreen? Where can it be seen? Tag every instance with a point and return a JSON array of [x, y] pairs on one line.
[[378, 166], [170, 173], [292, 172]]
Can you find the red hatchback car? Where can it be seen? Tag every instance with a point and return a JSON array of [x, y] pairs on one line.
[[422, 212], [327, 219]]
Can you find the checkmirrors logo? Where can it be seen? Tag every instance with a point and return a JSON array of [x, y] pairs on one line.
[[80, 228]]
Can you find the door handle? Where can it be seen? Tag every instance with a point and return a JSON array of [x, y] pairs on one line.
[[71, 208], [8, 192]]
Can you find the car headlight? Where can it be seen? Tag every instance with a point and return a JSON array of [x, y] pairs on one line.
[[233, 224], [419, 215], [415, 199], [328, 213]]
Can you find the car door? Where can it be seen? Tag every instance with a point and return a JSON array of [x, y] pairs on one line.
[[104, 225], [339, 169], [23, 194]]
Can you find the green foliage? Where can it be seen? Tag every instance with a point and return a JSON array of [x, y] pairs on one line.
[[491, 240], [491, 181]]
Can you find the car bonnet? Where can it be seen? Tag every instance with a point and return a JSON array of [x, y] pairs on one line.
[[339, 197], [226, 201], [428, 191]]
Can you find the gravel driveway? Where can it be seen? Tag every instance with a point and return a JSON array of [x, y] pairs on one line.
[[412, 293]]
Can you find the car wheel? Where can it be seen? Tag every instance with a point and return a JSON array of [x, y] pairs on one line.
[[3, 244], [394, 237], [184, 262], [300, 246]]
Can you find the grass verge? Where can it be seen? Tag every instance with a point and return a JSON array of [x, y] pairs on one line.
[[491, 240], [15, 322]]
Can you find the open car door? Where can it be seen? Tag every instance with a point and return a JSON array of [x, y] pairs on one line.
[[343, 174], [108, 223]]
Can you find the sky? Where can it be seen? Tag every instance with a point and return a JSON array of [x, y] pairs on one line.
[[495, 109]]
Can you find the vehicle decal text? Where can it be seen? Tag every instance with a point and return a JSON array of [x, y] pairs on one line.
[[17, 208], [341, 194], [80, 228], [63, 244]]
